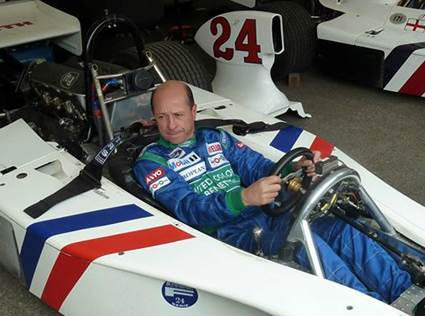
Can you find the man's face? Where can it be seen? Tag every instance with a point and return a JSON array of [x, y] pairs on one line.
[[174, 115]]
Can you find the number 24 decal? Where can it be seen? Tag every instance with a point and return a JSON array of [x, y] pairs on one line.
[[248, 32]]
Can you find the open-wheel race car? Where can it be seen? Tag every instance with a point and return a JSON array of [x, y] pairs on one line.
[[376, 42], [87, 244]]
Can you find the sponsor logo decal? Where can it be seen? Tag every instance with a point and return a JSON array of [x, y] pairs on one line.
[[68, 80], [415, 25], [154, 175], [179, 295], [15, 25], [158, 184], [214, 148], [398, 18], [107, 150], [239, 145], [177, 164], [217, 160], [194, 171], [177, 153]]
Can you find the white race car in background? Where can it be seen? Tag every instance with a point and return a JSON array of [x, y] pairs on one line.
[[377, 42], [103, 251]]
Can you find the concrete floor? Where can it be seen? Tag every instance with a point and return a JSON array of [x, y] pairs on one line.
[[383, 131]]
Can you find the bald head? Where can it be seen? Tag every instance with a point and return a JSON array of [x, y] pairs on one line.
[[172, 87], [174, 111]]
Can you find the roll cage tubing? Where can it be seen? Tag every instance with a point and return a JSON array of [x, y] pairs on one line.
[[107, 22]]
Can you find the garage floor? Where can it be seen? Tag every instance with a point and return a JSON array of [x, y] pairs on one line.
[[383, 131]]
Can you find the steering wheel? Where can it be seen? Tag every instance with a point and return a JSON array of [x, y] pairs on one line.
[[282, 164]]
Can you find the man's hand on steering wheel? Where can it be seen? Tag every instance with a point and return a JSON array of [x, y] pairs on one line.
[[265, 190], [309, 166], [297, 181], [262, 191]]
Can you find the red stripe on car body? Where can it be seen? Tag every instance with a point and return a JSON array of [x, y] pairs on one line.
[[75, 258], [323, 146], [415, 85]]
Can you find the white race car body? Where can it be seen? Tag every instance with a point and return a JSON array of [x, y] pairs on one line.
[[104, 252], [373, 41], [397, 33], [27, 21]]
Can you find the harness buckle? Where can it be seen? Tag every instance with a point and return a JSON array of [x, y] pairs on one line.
[[251, 128]]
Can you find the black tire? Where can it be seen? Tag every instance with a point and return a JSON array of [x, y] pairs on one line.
[[174, 60], [300, 38]]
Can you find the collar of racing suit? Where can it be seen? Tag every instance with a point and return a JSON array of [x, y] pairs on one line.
[[190, 142]]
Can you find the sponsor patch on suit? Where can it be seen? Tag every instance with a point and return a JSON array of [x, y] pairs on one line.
[[217, 160], [194, 171], [190, 159]]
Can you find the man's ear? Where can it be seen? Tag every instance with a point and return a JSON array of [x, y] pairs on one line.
[[194, 110]]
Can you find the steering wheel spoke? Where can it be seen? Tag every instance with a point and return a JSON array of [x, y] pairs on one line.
[[292, 175]]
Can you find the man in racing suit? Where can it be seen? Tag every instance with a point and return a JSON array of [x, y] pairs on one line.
[[216, 184]]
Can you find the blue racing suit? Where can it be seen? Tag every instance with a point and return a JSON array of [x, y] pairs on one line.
[[201, 180]]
